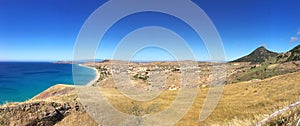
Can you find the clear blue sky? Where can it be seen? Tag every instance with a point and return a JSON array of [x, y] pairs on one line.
[[41, 30]]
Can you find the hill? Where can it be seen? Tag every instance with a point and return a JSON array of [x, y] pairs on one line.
[[259, 55], [270, 64], [292, 55]]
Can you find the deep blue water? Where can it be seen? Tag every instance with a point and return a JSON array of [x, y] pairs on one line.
[[20, 81]]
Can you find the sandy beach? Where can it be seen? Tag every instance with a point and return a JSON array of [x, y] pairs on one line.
[[94, 81]]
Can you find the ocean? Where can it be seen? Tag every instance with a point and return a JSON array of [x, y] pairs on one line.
[[20, 81]]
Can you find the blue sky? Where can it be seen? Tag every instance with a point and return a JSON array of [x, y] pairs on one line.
[[42, 30]]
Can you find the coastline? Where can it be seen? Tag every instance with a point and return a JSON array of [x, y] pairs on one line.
[[92, 82]]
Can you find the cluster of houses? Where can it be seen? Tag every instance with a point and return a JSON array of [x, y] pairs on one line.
[[196, 75]]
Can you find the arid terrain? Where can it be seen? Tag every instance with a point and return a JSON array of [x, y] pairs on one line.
[[253, 90]]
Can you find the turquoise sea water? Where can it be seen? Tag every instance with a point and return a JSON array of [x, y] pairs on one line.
[[20, 81]]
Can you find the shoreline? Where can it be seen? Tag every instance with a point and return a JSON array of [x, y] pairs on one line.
[[97, 76], [90, 84]]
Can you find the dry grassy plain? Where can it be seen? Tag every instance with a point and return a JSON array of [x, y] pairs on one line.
[[242, 103]]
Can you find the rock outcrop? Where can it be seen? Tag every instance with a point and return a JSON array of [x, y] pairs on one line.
[[46, 109]]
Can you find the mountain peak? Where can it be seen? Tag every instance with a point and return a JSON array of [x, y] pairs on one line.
[[261, 48], [261, 54]]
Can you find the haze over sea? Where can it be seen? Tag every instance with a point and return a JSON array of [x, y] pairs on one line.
[[20, 81]]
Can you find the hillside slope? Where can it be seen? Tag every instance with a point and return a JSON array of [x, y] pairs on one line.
[[48, 108], [267, 70], [259, 55], [267, 64], [292, 55]]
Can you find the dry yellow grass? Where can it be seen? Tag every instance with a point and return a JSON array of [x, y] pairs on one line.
[[287, 118], [77, 119], [241, 104]]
